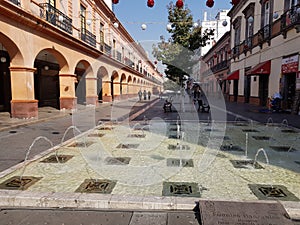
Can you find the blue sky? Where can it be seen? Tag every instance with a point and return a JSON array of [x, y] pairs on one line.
[[133, 13]]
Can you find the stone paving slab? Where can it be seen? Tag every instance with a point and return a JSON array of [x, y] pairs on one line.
[[148, 218]]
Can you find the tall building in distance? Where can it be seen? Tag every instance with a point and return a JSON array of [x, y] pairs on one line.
[[219, 26]]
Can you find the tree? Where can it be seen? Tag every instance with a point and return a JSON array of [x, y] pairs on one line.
[[177, 53]]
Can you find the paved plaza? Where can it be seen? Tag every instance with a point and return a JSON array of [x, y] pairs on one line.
[[146, 160]]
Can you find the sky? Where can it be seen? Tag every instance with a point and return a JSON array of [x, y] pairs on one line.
[[133, 13]]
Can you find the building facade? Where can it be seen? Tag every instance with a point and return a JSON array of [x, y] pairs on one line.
[[63, 53], [220, 25], [215, 67], [265, 52]]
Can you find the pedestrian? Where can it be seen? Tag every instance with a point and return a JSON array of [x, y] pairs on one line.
[[140, 94], [149, 95], [145, 95], [198, 98]]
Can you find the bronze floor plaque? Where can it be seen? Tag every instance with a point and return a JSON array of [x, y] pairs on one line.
[[243, 213]]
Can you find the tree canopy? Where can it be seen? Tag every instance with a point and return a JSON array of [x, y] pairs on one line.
[[178, 52]]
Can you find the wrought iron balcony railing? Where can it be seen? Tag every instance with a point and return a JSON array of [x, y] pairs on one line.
[[56, 17], [16, 2], [264, 34], [88, 37], [119, 56], [107, 49], [236, 50], [248, 43], [290, 19]]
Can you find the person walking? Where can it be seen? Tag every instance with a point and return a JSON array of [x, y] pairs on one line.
[[140, 94], [145, 95], [149, 95]]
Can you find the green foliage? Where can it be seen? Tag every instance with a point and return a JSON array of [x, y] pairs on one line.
[[177, 53]]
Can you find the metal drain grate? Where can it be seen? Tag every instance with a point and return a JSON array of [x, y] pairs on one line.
[[136, 135], [96, 186], [60, 158], [179, 147], [180, 163], [180, 189], [235, 148], [211, 130], [261, 138], [117, 160], [105, 128], [246, 164], [96, 135], [250, 130], [128, 146], [14, 183], [272, 192], [289, 131], [283, 148], [81, 144]]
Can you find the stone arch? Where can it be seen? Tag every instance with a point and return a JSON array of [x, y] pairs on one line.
[[49, 63], [123, 91], [114, 83], [84, 77], [102, 88]]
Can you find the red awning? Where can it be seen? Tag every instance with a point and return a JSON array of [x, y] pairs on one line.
[[263, 68], [234, 75]]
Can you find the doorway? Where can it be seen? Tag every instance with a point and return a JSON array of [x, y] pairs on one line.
[[263, 89]]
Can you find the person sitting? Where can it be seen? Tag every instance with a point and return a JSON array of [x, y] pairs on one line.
[[167, 106]]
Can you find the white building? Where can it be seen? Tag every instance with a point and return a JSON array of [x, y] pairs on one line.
[[218, 26]]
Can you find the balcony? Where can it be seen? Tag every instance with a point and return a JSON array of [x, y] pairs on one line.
[[88, 37], [216, 68], [16, 2], [107, 50], [264, 34], [119, 56], [290, 19], [55, 17], [236, 51]]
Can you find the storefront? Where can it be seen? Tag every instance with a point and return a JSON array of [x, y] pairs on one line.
[[262, 72], [234, 77], [290, 76]]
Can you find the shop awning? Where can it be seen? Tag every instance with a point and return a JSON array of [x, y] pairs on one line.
[[234, 75], [263, 68]]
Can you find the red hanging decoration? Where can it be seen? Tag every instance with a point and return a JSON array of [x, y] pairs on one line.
[[150, 3], [115, 1], [179, 4], [155, 62], [210, 3], [215, 55], [235, 2]]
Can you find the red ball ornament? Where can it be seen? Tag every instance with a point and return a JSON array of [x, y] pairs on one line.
[[115, 1], [179, 4], [210, 3], [215, 55], [235, 2], [150, 3], [155, 62]]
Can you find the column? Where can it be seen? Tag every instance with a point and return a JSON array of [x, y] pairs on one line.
[[23, 104], [68, 99], [106, 92], [91, 91]]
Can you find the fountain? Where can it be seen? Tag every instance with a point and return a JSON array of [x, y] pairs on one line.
[[256, 155], [284, 123], [269, 122], [28, 152], [246, 147]]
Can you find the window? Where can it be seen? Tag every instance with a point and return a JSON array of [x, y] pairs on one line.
[[266, 13], [101, 33], [83, 18]]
